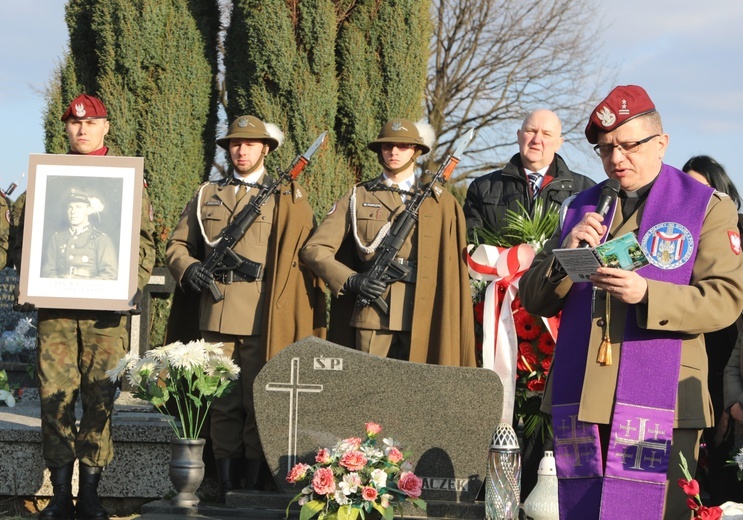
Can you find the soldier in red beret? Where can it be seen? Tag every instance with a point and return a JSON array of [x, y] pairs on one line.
[[628, 387], [76, 348]]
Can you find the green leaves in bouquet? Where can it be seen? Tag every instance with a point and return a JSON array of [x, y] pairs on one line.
[[535, 420], [522, 228]]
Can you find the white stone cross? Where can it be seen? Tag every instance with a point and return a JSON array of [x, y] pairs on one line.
[[294, 389]]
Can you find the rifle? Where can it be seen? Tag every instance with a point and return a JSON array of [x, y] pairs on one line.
[[223, 258], [384, 266]]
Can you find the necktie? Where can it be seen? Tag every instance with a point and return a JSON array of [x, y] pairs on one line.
[[533, 180], [242, 190], [396, 191]]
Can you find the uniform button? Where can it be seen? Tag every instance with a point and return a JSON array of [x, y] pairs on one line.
[[663, 322], [294, 264], [601, 322]]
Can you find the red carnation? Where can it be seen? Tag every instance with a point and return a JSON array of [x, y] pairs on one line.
[[526, 326], [546, 344]]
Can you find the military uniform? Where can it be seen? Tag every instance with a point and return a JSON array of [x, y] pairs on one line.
[[258, 316], [77, 347], [428, 318], [80, 253], [6, 225]]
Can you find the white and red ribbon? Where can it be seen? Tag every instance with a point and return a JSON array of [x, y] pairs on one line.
[[503, 268]]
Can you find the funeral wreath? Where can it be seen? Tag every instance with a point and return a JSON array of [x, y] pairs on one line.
[[355, 478], [181, 377]]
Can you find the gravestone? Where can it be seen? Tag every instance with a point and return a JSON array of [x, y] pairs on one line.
[[314, 393]]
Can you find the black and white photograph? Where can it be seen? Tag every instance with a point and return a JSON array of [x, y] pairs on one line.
[[82, 242]]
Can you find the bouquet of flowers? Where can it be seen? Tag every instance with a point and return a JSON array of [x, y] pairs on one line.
[[6, 394], [356, 477], [691, 488], [19, 345], [192, 374], [535, 341]]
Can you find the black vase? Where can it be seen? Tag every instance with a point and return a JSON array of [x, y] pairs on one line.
[[186, 470]]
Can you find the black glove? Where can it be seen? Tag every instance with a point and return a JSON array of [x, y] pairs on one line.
[[197, 278], [367, 287], [24, 307], [137, 302]]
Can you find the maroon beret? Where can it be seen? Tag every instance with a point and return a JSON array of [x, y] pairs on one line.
[[623, 103], [85, 107]]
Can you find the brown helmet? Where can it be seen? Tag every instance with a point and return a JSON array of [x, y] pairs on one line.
[[250, 127], [399, 131]]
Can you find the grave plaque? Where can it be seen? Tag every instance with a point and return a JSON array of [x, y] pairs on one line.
[[314, 393]]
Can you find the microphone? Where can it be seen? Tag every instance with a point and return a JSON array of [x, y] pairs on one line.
[[608, 195]]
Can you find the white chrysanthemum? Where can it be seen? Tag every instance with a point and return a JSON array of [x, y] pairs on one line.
[[161, 353], [340, 497], [23, 326], [213, 349], [187, 357], [147, 369], [223, 367], [8, 398], [379, 477], [124, 364], [739, 459]]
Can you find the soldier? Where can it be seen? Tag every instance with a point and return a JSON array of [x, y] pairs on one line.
[[76, 348], [259, 315], [6, 225], [80, 251], [430, 311]]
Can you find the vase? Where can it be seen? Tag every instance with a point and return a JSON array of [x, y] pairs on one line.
[[186, 470]]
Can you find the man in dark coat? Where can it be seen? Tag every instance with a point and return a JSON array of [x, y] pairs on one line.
[[489, 197]]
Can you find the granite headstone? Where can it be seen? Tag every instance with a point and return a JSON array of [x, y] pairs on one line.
[[314, 393]]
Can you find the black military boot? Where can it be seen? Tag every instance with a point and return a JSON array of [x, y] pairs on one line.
[[228, 472], [89, 506], [253, 474], [60, 506]]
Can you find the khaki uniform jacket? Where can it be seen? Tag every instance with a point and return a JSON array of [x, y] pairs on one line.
[[712, 300], [283, 307], [88, 253], [437, 308]]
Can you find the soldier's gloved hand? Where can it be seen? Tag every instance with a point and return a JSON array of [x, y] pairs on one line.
[[24, 307], [197, 278], [361, 283], [137, 309]]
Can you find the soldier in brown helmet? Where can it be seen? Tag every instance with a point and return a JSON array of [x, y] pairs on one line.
[[248, 320], [430, 310]]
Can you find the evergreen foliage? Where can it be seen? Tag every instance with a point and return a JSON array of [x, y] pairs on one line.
[[382, 63]]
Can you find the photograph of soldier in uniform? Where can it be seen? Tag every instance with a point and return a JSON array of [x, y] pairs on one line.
[[80, 249]]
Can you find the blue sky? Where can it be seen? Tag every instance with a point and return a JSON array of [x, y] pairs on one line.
[[685, 54]]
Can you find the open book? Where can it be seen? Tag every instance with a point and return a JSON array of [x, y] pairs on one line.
[[622, 252]]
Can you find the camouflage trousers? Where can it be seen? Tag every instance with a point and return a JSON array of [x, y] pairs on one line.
[[75, 349]]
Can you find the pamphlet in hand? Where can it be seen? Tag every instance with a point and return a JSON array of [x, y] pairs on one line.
[[622, 252]]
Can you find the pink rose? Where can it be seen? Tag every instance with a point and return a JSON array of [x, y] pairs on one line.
[[297, 473], [352, 441], [353, 460], [410, 484], [373, 429], [394, 455], [369, 493], [323, 456], [323, 482]]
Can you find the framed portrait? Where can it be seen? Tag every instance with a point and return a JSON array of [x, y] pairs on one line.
[[81, 234]]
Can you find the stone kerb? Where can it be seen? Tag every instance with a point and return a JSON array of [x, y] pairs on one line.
[[141, 453], [314, 393]]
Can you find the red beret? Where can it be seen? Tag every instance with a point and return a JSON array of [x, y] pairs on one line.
[[623, 103], [85, 107]]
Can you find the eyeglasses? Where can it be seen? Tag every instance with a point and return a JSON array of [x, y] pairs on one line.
[[400, 146], [605, 150]]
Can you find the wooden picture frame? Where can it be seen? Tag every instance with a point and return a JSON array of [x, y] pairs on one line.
[[66, 264]]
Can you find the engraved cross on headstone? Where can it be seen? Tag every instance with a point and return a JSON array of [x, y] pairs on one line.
[[294, 389]]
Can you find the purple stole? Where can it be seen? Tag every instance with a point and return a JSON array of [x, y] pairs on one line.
[[633, 485]]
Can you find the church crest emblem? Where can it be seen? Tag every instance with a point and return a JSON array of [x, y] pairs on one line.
[[668, 245]]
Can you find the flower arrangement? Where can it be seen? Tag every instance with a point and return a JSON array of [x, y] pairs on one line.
[[192, 374], [691, 488], [737, 460], [6, 394], [355, 478], [19, 345], [535, 343]]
